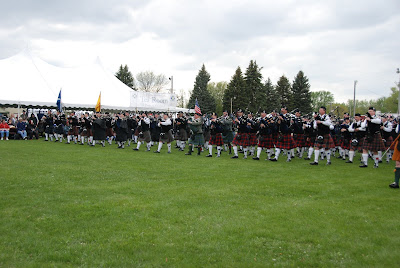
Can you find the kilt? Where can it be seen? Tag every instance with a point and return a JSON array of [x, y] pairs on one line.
[[181, 135], [274, 137], [73, 131], [287, 142], [145, 136], [327, 143], [60, 129], [109, 132], [228, 138], [337, 140], [216, 140], [309, 141], [359, 146], [49, 130], [207, 135], [167, 137], [299, 140], [241, 139], [396, 154], [87, 133], [197, 139], [265, 141], [375, 145], [345, 144], [388, 142], [252, 139]]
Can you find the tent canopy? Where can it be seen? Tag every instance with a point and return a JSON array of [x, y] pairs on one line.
[[27, 80]]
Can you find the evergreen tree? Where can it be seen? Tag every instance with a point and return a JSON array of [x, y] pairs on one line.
[[283, 92], [301, 95], [217, 90], [272, 102], [125, 76], [201, 93], [236, 92], [254, 87]]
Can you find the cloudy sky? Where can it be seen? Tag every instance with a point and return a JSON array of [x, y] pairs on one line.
[[333, 41]]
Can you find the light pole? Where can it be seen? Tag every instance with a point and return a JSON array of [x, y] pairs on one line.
[[354, 98], [172, 84], [398, 100]]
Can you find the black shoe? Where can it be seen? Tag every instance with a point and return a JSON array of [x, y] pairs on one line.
[[273, 160], [393, 185], [188, 153], [349, 162], [234, 157], [307, 158], [328, 163], [363, 166], [314, 164], [135, 149], [156, 152], [256, 158], [209, 155]]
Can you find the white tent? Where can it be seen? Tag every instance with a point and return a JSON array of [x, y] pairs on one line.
[[27, 80]]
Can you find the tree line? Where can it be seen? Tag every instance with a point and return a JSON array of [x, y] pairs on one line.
[[250, 92]]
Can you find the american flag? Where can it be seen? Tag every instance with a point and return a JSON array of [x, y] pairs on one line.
[[197, 108]]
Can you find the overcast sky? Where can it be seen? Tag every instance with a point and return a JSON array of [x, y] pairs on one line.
[[334, 42]]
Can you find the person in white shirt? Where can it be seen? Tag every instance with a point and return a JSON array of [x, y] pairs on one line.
[[386, 130], [324, 141], [373, 142], [358, 136], [166, 133], [144, 132]]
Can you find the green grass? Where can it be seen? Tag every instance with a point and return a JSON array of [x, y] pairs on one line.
[[69, 205]]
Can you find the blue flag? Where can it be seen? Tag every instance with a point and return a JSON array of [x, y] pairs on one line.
[[59, 105]]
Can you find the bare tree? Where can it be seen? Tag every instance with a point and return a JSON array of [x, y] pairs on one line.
[[148, 81], [182, 99]]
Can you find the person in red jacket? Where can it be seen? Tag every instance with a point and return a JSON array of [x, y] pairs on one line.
[[4, 129]]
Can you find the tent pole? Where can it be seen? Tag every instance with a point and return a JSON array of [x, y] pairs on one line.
[[18, 112]]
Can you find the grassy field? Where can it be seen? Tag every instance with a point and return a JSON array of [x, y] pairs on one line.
[[68, 205]]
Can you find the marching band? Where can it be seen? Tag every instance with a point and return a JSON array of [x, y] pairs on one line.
[[276, 133]]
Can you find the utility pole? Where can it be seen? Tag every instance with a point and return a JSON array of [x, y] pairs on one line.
[[172, 84], [354, 98], [398, 100]]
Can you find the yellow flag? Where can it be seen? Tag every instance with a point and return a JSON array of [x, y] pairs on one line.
[[98, 105]]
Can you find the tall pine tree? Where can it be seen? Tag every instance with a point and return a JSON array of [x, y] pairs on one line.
[[283, 92], [201, 93], [272, 102], [125, 76], [235, 93], [255, 87], [301, 95]]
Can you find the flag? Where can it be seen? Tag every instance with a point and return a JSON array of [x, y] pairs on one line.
[[98, 105], [59, 105], [197, 108]]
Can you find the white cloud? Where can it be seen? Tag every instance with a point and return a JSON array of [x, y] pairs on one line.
[[333, 42]]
